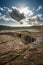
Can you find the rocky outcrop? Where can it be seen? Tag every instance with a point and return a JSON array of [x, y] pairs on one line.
[[17, 48]]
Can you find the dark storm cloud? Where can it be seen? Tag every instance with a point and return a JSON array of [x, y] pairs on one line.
[[15, 14]]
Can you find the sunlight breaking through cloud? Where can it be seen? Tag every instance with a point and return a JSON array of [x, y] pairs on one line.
[[24, 15]]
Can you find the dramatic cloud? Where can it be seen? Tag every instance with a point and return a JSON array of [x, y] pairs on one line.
[[36, 16], [23, 15], [7, 9], [36, 20], [39, 8], [14, 13], [1, 9], [19, 13], [26, 10], [3, 17]]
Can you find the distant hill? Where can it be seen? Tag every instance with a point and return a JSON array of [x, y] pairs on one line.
[[3, 27]]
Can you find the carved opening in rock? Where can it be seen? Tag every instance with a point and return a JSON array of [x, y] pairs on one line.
[[28, 39]]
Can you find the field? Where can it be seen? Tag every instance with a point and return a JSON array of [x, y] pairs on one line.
[[21, 47]]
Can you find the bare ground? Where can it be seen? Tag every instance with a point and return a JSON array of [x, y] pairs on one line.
[[21, 48]]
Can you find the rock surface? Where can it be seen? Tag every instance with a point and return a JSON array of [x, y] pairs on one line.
[[21, 48]]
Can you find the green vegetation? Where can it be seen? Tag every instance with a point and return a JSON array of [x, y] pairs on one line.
[[2, 27]]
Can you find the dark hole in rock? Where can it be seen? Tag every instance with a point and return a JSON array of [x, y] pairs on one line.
[[18, 35], [25, 38], [28, 39]]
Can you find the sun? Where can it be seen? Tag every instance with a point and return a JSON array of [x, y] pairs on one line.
[[24, 10]]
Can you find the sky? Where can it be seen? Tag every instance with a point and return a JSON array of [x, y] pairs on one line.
[[18, 12]]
